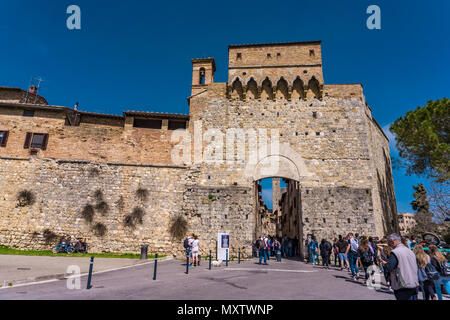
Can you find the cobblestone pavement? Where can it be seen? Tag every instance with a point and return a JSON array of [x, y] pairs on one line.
[[286, 280]]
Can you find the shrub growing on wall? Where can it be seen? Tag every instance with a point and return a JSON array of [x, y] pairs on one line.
[[99, 229], [136, 217], [98, 195], [88, 213], [25, 198], [179, 227], [49, 236], [142, 194], [102, 207]]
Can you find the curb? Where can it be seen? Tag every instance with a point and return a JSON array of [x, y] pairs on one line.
[[63, 276]]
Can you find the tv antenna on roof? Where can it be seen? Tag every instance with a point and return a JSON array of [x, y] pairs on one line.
[[33, 88]]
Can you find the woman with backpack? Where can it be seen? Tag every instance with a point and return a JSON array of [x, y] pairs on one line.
[[366, 256], [426, 283], [440, 263]]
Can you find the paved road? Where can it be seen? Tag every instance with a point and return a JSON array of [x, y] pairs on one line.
[[18, 269], [285, 280]]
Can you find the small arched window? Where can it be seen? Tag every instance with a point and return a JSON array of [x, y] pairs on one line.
[[202, 76]]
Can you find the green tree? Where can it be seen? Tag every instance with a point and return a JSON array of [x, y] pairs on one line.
[[423, 140], [424, 218]]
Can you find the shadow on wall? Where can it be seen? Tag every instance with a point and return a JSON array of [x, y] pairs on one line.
[[387, 196]]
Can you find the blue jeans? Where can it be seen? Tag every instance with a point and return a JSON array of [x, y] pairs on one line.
[[352, 259], [315, 255], [343, 258], [437, 285], [283, 249], [263, 253]]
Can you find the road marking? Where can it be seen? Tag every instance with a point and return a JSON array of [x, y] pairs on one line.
[[280, 270], [85, 274]]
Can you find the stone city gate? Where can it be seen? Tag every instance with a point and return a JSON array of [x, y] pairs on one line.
[[332, 151]]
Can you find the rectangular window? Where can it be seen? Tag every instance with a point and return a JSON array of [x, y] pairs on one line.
[[36, 141], [3, 138], [174, 125], [147, 123], [28, 113]]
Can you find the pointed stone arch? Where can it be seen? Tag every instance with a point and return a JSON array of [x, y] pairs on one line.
[[298, 91], [267, 91], [313, 89], [252, 89], [282, 89], [236, 89]]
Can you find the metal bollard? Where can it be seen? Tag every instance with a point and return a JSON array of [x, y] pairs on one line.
[[227, 259], [199, 258], [239, 256], [156, 264], [210, 258], [187, 264], [91, 266]]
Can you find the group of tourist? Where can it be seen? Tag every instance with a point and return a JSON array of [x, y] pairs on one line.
[[192, 246], [267, 246], [405, 264]]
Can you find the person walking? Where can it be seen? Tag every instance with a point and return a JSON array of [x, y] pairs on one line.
[[423, 260], [440, 263], [366, 256], [352, 255], [268, 246], [308, 246], [325, 252], [314, 247], [262, 247], [195, 250], [289, 247], [188, 246], [336, 253], [403, 269], [277, 249], [284, 246], [384, 252], [342, 247]]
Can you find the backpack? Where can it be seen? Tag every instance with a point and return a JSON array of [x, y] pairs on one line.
[[445, 269], [421, 274], [431, 272], [186, 243], [366, 257], [261, 244]]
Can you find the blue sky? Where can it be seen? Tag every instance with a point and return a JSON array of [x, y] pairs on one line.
[[135, 55]]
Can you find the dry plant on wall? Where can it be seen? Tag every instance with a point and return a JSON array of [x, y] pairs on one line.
[[98, 195], [88, 213], [25, 198], [99, 229], [179, 227], [142, 194], [49, 236], [102, 207], [120, 204], [136, 217]]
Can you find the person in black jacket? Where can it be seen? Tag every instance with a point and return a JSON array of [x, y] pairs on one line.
[[325, 252]]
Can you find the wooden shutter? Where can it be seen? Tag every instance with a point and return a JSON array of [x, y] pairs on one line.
[[5, 139], [45, 142], [28, 140]]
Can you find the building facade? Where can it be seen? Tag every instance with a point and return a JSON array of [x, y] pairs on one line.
[[126, 180], [406, 221]]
